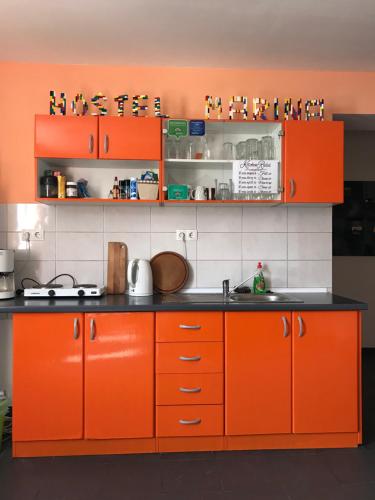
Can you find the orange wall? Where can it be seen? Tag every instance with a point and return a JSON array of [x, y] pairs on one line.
[[24, 91]]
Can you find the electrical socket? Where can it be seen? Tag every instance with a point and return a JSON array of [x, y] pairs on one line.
[[33, 235], [190, 234]]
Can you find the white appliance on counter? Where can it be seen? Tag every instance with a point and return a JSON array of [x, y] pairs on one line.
[[7, 285], [57, 291], [140, 278]]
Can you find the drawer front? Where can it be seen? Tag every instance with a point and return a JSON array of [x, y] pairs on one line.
[[189, 389], [189, 357], [189, 326], [195, 420]]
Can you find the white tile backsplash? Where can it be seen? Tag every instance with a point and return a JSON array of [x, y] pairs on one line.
[[294, 243]]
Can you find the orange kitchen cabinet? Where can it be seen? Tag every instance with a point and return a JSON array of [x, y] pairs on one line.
[[325, 372], [258, 373], [188, 421], [189, 388], [129, 138], [189, 326], [189, 357], [66, 136], [314, 161], [47, 376], [119, 375]]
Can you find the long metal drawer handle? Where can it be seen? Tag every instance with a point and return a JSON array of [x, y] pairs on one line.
[[106, 143], [92, 329], [285, 323], [292, 188], [186, 389], [301, 330], [195, 421], [190, 327], [76, 329], [191, 358], [91, 143]]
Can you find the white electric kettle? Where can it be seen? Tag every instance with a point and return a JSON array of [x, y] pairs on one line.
[[140, 278]]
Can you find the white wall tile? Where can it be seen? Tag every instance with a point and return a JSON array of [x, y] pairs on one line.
[[309, 246], [39, 250], [89, 272], [41, 270], [219, 246], [264, 219], [79, 246], [211, 273], [275, 272], [310, 219], [264, 246], [219, 219], [3, 217], [162, 242], [138, 244], [119, 219], [31, 216], [79, 218], [168, 219], [310, 273], [192, 279], [3, 240]]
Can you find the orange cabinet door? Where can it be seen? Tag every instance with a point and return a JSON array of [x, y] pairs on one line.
[[196, 420], [119, 375], [47, 376], [258, 373], [325, 372], [129, 138], [66, 136], [189, 357], [189, 326], [314, 162], [189, 389]]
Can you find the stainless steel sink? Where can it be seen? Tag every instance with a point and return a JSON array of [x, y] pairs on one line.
[[266, 298]]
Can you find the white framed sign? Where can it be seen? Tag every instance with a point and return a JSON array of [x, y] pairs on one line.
[[256, 176]]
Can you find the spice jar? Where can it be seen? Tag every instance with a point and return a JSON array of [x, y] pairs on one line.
[[71, 190]]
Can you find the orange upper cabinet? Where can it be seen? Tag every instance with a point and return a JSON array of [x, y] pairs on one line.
[[325, 372], [66, 136], [129, 138], [119, 375], [314, 162], [258, 373], [47, 376]]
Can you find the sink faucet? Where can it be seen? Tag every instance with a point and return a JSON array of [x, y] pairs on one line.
[[226, 292], [226, 288]]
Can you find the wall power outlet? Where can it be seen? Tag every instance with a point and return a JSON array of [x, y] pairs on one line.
[[190, 234], [33, 235]]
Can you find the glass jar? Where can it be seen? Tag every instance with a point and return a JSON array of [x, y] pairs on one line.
[[71, 190], [48, 186]]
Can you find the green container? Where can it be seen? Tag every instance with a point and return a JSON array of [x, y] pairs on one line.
[[178, 192], [3, 411]]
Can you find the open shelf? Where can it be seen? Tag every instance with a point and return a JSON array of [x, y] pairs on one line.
[[98, 201]]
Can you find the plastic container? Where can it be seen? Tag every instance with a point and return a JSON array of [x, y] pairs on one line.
[[259, 283], [3, 411], [71, 190], [148, 190]]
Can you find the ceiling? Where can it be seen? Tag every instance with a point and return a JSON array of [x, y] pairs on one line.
[[303, 34]]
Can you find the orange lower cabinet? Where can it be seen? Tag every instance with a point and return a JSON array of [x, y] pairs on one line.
[[258, 373], [189, 326], [119, 375], [195, 420], [325, 372], [189, 357], [47, 376], [189, 388]]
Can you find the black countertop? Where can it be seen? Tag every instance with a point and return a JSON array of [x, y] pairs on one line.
[[177, 302]]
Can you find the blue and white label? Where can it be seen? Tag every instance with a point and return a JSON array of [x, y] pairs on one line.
[[197, 127]]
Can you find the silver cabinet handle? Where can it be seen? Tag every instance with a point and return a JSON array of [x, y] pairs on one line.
[[106, 143], [91, 143], [285, 323], [292, 188], [191, 358], [76, 329], [92, 329], [190, 327], [195, 421], [301, 330], [185, 389]]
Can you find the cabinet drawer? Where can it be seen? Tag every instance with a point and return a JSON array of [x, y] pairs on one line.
[[195, 420], [189, 389], [189, 357], [189, 326]]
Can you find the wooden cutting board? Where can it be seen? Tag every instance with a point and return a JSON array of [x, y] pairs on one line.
[[116, 275]]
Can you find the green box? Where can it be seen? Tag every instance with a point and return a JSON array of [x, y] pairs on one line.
[[3, 411], [177, 128], [178, 192]]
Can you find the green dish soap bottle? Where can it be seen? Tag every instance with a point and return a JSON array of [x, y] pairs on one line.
[[259, 283]]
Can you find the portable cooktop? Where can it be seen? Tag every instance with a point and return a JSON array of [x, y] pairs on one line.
[[57, 291]]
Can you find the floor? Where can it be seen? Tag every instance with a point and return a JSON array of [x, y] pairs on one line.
[[347, 474]]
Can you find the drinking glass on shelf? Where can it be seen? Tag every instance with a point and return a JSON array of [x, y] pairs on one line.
[[190, 150], [241, 150], [267, 148], [229, 151], [252, 149], [224, 191], [170, 147]]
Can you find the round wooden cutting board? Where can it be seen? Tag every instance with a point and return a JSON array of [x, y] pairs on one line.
[[170, 272]]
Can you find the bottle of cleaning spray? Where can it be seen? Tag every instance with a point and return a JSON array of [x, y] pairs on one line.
[[259, 283]]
